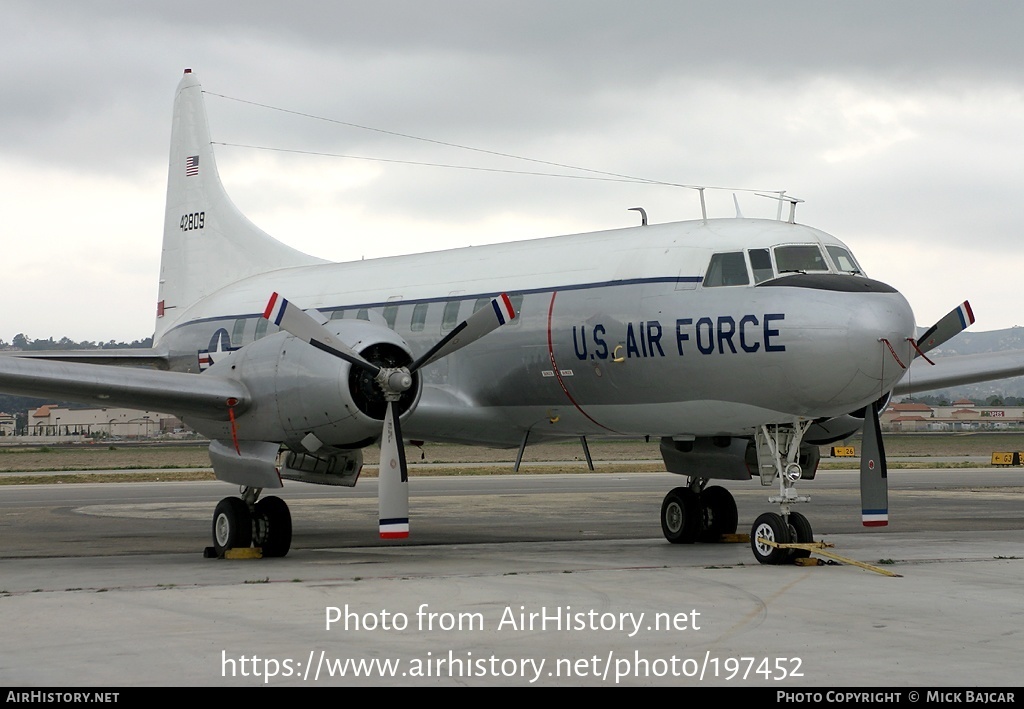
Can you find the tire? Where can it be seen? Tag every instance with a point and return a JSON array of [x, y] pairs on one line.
[[718, 514], [680, 516], [773, 528], [801, 533], [274, 522], [232, 525]]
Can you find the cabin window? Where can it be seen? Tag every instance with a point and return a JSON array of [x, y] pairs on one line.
[[761, 263], [451, 314], [481, 303], [261, 327], [799, 258], [727, 270], [390, 315], [419, 317], [337, 314], [363, 314], [238, 332], [843, 259]]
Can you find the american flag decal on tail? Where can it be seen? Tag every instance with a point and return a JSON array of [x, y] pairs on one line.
[[191, 166]]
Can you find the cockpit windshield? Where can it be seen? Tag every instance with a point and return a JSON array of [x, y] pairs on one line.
[[735, 268], [800, 258], [843, 259]]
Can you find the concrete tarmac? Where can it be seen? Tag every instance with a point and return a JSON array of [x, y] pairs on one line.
[[513, 581]]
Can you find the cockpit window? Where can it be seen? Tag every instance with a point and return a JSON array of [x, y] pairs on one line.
[[727, 270], [799, 258], [761, 262], [843, 259]]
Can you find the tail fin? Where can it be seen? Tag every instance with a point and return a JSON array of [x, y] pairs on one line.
[[208, 242]]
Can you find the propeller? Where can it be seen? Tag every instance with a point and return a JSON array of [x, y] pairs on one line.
[[952, 323], [393, 487], [874, 483]]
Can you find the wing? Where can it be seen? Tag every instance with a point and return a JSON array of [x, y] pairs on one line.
[[141, 357], [199, 395], [960, 369]]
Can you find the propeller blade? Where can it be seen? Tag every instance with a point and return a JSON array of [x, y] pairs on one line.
[[953, 323], [874, 482], [393, 480], [470, 330], [304, 326]]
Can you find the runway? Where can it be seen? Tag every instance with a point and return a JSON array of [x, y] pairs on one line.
[[556, 580]]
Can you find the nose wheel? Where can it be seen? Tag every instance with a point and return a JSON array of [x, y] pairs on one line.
[[771, 528]]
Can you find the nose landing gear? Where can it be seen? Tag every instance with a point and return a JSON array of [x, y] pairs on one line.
[[779, 458]]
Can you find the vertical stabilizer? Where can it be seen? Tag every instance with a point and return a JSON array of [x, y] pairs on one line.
[[208, 243]]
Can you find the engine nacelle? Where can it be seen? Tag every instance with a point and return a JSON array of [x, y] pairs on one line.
[[306, 398], [839, 428]]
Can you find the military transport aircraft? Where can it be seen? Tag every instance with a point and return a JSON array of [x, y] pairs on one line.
[[741, 344]]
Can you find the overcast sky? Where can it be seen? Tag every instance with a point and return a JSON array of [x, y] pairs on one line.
[[900, 123]]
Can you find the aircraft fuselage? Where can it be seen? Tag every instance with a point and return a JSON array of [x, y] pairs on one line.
[[619, 332]]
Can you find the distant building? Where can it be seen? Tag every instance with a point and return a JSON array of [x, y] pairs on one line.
[[53, 420], [961, 415], [8, 425]]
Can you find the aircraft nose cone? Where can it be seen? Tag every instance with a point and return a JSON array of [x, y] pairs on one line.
[[878, 339]]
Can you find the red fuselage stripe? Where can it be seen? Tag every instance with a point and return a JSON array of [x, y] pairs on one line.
[[558, 374]]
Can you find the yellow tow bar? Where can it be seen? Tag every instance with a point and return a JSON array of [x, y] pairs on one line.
[[820, 549]]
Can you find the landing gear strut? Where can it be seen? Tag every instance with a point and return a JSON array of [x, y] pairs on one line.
[[778, 456], [696, 513], [239, 522]]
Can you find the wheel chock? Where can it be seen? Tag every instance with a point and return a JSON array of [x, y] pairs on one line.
[[807, 561], [245, 553]]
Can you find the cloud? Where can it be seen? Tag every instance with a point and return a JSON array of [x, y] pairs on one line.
[[895, 121]]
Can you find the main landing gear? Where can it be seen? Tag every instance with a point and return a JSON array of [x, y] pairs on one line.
[[240, 522], [698, 514]]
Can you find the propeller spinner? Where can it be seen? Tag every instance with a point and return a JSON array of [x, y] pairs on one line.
[[393, 487]]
